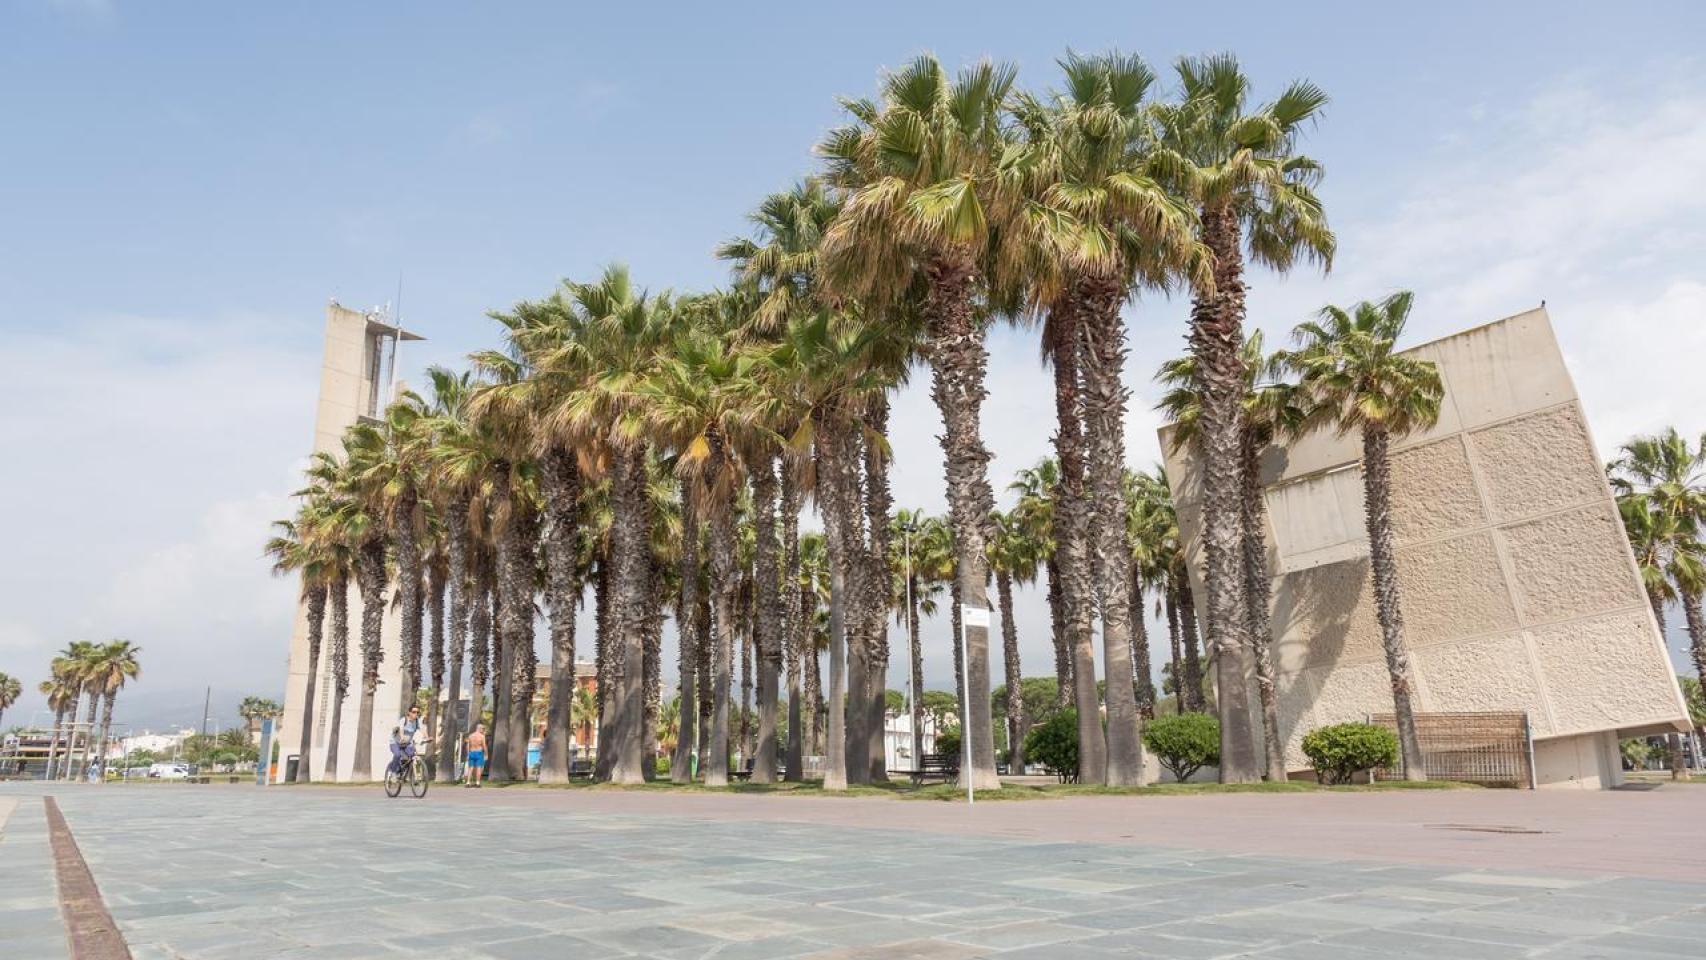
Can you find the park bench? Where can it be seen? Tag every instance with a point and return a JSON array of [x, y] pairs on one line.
[[580, 769], [744, 772], [935, 766]]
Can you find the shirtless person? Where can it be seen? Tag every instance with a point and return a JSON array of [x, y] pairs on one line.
[[476, 754]]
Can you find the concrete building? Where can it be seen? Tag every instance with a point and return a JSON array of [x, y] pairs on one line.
[[357, 380], [1519, 588]]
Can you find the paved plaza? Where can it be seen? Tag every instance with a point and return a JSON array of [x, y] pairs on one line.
[[213, 872]]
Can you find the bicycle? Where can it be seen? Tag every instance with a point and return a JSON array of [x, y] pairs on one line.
[[413, 772]]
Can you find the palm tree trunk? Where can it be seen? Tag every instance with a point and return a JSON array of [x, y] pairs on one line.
[[560, 484], [1141, 665], [1188, 634], [958, 362], [1217, 335], [770, 618], [435, 641], [879, 503], [861, 592], [723, 586], [53, 756], [832, 497], [370, 577], [1258, 588], [1180, 701], [480, 623], [1383, 564], [107, 729], [315, 594], [1057, 634], [456, 550], [409, 594], [652, 670], [339, 596], [916, 650], [1015, 681], [1104, 405], [1072, 548], [604, 645], [681, 763], [1696, 625], [816, 714], [743, 749], [793, 637], [959, 654], [630, 549]]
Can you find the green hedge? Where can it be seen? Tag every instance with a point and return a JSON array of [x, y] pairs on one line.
[[1342, 750], [1184, 742]]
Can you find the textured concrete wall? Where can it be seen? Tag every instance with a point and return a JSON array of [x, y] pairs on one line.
[[1518, 588]]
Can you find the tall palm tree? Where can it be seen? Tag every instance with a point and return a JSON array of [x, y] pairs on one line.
[[111, 666], [601, 406], [908, 538], [1356, 381], [930, 214], [456, 470], [294, 550], [1255, 199], [76, 663], [1091, 154], [1014, 555], [1271, 408]]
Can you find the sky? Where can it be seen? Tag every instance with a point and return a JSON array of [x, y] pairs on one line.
[[183, 187]]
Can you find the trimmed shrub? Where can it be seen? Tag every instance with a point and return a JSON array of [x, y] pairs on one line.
[[1184, 742], [948, 741], [1054, 744], [1340, 751]]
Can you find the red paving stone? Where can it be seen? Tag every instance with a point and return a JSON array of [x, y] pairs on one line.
[[1658, 833]]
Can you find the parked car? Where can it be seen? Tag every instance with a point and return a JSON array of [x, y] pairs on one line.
[[169, 771]]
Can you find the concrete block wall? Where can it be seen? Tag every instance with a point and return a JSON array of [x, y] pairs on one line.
[[1519, 590]]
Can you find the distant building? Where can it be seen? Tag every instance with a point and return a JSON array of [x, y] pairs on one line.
[[1519, 589]]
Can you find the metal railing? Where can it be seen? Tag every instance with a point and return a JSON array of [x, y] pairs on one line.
[[1494, 748]]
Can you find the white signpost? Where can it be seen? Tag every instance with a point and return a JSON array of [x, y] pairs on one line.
[[970, 616]]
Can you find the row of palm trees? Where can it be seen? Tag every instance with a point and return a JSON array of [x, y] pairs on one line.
[[87, 676], [663, 447]]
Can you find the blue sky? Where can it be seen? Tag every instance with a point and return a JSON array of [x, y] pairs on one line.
[[184, 185]]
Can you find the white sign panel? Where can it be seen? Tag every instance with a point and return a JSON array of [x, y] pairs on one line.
[[974, 616]]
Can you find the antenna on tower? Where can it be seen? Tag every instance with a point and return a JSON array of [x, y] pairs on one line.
[[396, 335]]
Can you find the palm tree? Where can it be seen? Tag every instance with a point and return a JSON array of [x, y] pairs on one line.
[[1091, 156], [813, 586], [1014, 556], [10, 691], [1354, 380], [1255, 197], [929, 212], [61, 693], [1271, 408], [1037, 487], [909, 531], [1661, 483], [111, 665], [75, 663], [255, 709], [293, 550], [601, 406]]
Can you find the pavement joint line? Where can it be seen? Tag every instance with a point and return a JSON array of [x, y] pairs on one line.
[[89, 928]]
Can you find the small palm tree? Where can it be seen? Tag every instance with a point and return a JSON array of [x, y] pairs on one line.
[[10, 691], [1355, 380], [1036, 488], [111, 666], [1015, 556]]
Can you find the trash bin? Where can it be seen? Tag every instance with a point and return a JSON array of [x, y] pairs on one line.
[[290, 764]]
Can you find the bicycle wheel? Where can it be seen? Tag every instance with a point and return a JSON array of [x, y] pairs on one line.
[[393, 782], [418, 778]]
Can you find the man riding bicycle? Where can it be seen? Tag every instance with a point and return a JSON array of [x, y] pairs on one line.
[[404, 738]]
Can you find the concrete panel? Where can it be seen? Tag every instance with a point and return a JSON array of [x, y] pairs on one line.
[[1593, 682], [1583, 762], [1538, 463], [1433, 491], [1323, 615], [1350, 692], [1571, 564], [1492, 673], [1502, 370], [1453, 588], [1316, 516]]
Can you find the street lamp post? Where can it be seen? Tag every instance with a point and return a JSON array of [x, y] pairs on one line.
[[906, 529]]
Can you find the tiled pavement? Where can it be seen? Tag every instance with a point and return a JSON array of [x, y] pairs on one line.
[[211, 873]]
